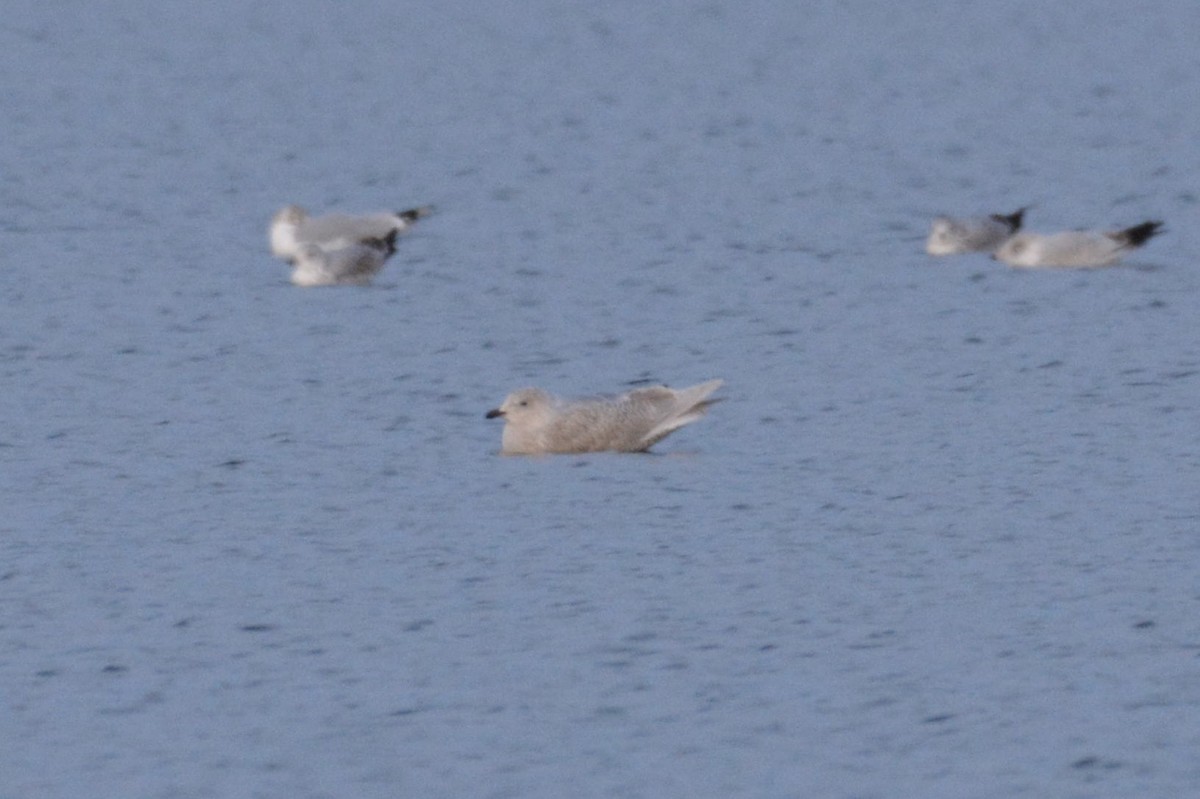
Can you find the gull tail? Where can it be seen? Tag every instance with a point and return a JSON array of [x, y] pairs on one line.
[[689, 405], [694, 401], [695, 398]]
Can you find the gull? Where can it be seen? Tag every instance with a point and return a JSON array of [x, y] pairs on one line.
[[948, 235], [537, 422], [355, 264], [1075, 248], [292, 227]]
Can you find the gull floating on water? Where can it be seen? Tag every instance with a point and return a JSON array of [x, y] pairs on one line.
[[355, 264], [1075, 248], [950, 235], [292, 227], [537, 422]]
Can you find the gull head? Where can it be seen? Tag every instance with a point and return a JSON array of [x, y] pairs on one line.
[[942, 237], [283, 231], [523, 404]]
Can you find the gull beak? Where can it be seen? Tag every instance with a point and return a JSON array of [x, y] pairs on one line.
[[493, 413]]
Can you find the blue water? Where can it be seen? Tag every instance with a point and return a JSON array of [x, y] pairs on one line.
[[938, 540]]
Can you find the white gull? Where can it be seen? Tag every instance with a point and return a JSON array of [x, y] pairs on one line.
[[537, 422], [292, 227], [952, 235], [1075, 248]]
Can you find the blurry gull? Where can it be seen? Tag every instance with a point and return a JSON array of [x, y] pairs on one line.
[[355, 264], [537, 422], [949, 235], [292, 227], [1075, 248]]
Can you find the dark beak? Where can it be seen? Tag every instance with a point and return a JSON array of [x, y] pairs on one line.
[[493, 413]]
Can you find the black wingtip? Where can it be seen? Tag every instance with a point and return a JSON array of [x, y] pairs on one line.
[[386, 244], [1138, 235], [390, 240], [1013, 220], [413, 214]]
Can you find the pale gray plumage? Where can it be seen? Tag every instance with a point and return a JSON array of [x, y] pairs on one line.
[[355, 264], [951, 235], [1075, 249], [537, 422], [292, 227]]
